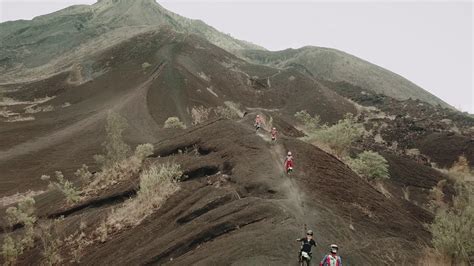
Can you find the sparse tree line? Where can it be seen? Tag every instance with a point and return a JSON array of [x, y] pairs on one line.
[[156, 184]]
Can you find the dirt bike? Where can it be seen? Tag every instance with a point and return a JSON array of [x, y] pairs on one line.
[[305, 258], [273, 139], [289, 170], [257, 126]]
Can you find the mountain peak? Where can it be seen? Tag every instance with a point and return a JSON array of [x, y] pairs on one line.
[[127, 3]]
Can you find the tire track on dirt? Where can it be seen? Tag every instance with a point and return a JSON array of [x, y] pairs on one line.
[[295, 203]]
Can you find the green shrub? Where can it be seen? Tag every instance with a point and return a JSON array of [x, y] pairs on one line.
[[338, 137], [22, 214], [370, 165], [65, 186], [310, 123], [11, 249], [115, 148], [227, 112], [453, 228], [174, 122]]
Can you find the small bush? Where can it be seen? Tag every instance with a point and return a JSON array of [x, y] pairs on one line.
[[174, 122], [310, 123], [143, 150], [11, 249], [65, 186], [22, 214], [84, 174], [200, 114], [370, 165], [116, 149], [338, 137], [227, 112], [461, 165]]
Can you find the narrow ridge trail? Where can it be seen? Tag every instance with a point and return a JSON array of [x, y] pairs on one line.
[[295, 199]]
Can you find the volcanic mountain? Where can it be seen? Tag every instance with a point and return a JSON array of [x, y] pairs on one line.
[[63, 74]]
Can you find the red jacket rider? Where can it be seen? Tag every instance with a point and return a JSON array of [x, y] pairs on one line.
[[258, 122], [289, 161], [274, 133]]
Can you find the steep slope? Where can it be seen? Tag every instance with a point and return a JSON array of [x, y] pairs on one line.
[[194, 73], [235, 197], [56, 41], [334, 65]]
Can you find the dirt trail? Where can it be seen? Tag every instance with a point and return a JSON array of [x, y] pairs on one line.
[[294, 201]]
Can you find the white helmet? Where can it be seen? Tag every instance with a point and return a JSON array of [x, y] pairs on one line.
[[258, 115], [334, 248], [289, 153], [274, 128]]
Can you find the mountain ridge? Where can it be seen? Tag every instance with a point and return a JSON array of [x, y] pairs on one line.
[[335, 65]]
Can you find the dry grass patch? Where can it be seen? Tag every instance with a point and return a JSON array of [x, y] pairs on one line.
[[123, 170], [33, 109], [15, 198], [51, 242], [19, 118], [156, 184], [200, 114]]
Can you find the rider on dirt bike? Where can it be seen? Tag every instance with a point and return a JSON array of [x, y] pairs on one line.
[[306, 243], [274, 134], [258, 122], [289, 163], [332, 259]]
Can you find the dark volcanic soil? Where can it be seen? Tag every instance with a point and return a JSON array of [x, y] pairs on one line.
[[235, 206], [236, 193]]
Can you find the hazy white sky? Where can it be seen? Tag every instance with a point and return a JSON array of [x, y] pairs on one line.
[[429, 43]]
